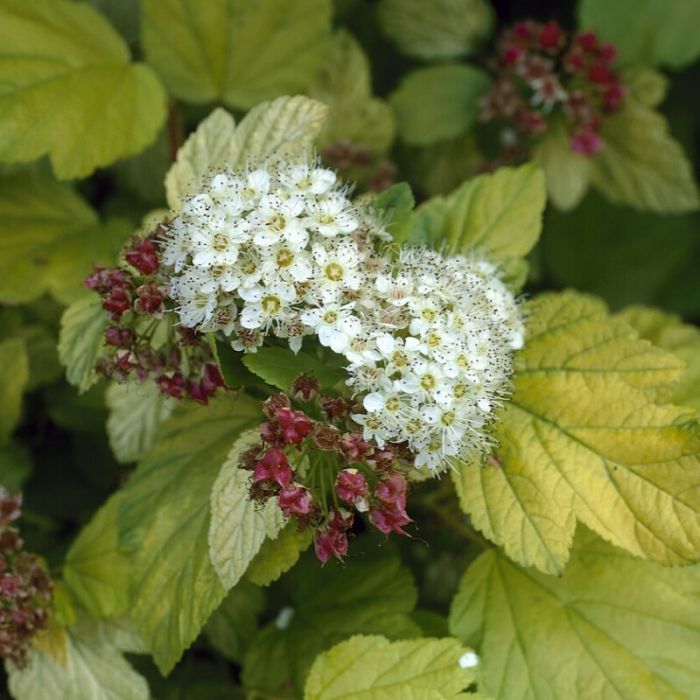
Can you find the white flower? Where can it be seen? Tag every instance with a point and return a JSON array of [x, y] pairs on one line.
[[265, 306], [337, 269], [335, 325], [331, 216]]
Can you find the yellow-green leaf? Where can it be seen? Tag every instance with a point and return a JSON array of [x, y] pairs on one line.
[[136, 411], [436, 29], [567, 173], [285, 127], [437, 103], [498, 215], [354, 114], [373, 668], [683, 340], [14, 375], [641, 164], [51, 237], [70, 90], [79, 664], [96, 570], [238, 51], [581, 438], [164, 522], [611, 626], [278, 555], [239, 526], [81, 340]]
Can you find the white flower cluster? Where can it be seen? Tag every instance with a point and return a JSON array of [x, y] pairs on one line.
[[282, 251], [255, 248], [434, 356]]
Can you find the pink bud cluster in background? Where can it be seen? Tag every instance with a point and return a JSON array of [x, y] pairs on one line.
[[543, 74], [25, 587]]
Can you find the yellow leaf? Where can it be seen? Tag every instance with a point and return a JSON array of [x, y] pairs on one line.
[[582, 439]]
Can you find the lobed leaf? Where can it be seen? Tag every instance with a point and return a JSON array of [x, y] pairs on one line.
[[582, 439], [14, 375], [278, 555], [239, 52], [373, 668], [70, 90], [611, 626]]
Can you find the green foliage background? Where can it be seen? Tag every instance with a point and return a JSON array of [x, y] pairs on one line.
[[569, 568]]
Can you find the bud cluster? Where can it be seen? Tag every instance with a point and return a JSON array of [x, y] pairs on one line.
[[346, 157], [135, 297], [543, 75], [25, 587], [338, 472]]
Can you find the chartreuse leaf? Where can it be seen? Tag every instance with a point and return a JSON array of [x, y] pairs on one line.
[[287, 126], [239, 525], [395, 206], [81, 340], [234, 623], [361, 597], [567, 173], [136, 411], [611, 626], [51, 237], [438, 102], [76, 664], [641, 164], [280, 367], [14, 375], [236, 51], [436, 29], [373, 668], [278, 555], [683, 340], [164, 523], [649, 32], [354, 115], [582, 439], [70, 90], [96, 570]]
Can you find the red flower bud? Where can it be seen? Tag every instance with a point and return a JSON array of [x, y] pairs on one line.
[[273, 466], [295, 425], [551, 36], [142, 255], [351, 485], [305, 387], [388, 519], [392, 490]]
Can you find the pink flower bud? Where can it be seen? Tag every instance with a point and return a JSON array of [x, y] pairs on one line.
[[388, 519], [586, 142], [305, 387], [295, 500], [142, 255], [392, 490], [351, 485], [294, 424], [273, 466]]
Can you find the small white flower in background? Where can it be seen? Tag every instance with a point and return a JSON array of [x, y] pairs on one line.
[[281, 250], [468, 660]]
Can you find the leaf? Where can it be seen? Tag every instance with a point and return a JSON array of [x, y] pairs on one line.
[[438, 102], [89, 669], [373, 668], [361, 596], [239, 525], [283, 127], [567, 173], [136, 413], [233, 625], [498, 215], [581, 439], [641, 164], [15, 466], [80, 341], [649, 32], [70, 89], [280, 367], [278, 555], [96, 570], [683, 340], [238, 52], [164, 523], [14, 375], [354, 115], [436, 29], [51, 238], [610, 627], [395, 205], [623, 255]]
